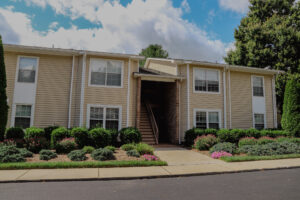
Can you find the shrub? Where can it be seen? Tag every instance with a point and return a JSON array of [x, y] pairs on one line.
[[36, 144], [10, 154], [274, 133], [58, 134], [77, 155], [245, 148], [133, 153], [275, 148], [191, 135], [144, 148], [103, 154], [100, 137], [265, 140], [247, 141], [252, 132], [149, 157], [14, 133], [81, 136], [88, 149], [47, 154], [226, 135], [114, 137], [211, 131], [295, 140], [205, 142], [66, 145], [34, 132], [128, 147], [225, 146], [217, 155], [130, 135], [25, 153], [291, 116], [112, 148], [48, 130]]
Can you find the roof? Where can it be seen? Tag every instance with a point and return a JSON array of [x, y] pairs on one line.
[[151, 74], [210, 64], [65, 52]]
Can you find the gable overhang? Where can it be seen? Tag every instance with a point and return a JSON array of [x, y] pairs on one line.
[[157, 78]]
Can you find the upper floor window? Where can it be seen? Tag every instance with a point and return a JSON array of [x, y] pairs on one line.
[[258, 86], [27, 69], [207, 119], [106, 72], [206, 80], [22, 116]]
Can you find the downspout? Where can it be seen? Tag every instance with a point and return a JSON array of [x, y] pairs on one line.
[[224, 95], [274, 102], [128, 92], [82, 88], [188, 95], [71, 93]]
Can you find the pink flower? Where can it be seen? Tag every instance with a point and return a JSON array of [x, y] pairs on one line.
[[149, 157], [219, 154]]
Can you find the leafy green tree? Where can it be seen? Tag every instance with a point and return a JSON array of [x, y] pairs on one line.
[[3, 97], [291, 108], [269, 36], [153, 51]]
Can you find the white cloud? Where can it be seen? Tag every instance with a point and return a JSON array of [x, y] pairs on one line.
[[124, 29], [185, 5], [53, 25], [211, 16], [239, 6]]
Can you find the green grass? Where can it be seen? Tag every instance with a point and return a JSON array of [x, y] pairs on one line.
[[86, 164], [254, 158]]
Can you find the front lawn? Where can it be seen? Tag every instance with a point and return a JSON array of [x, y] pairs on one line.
[[255, 158]]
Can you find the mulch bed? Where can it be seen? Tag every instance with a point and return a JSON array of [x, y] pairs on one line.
[[119, 154]]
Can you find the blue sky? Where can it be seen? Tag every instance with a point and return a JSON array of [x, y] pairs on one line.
[[193, 29]]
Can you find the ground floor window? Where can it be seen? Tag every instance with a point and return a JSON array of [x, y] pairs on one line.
[[23, 116], [104, 116], [259, 121], [207, 119]]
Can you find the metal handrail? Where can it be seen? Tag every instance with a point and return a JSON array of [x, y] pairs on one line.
[[153, 122]]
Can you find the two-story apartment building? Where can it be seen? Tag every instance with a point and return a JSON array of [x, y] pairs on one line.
[[50, 86]]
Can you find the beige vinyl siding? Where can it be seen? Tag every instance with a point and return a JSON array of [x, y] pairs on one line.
[[133, 93], [10, 60], [53, 90], [269, 101], [106, 95], [206, 100], [165, 67], [182, 69], [241, 100]]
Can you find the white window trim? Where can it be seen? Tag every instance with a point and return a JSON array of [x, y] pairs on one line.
[[105, 86], [104, 113], [206, 92], [253, 119], [207, 111], [263, 79], [18, 67], [14, 109]]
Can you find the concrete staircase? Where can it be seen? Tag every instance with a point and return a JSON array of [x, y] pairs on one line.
[[145, 127]]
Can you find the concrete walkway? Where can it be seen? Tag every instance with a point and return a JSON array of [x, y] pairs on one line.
[[181, 162]]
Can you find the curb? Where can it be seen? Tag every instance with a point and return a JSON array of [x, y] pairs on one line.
[[147, 177]]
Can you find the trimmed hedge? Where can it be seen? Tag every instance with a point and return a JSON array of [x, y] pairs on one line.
[[100, 137], [130, 135], [192, 134], [34, 132], [66, 145], [205, 142], [14, 133], [81, 136], [58, 134], [48, 130]]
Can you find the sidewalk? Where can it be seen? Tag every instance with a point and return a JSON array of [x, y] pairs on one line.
[[181, 162]]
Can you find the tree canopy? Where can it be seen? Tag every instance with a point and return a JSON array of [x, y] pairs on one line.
[[153, 51], [269, 36], [3, 97]]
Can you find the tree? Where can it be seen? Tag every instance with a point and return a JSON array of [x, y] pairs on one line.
[[291, 108], [153, 51], [269, 36], [3, 97]]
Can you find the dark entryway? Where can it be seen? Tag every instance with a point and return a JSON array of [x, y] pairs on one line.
[[160, 97]]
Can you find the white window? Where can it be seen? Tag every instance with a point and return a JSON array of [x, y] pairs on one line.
[[27, 69], [23, 116], [106, 72], [104, 116], [259, 121], [258, 86], [206, 80], [207, 119]]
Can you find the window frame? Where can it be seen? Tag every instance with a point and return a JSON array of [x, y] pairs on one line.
[[252, 85], [104, 114], [207, 116], [206, 69], [18, 69], [105, 86], [265, 123], [14, 110]]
